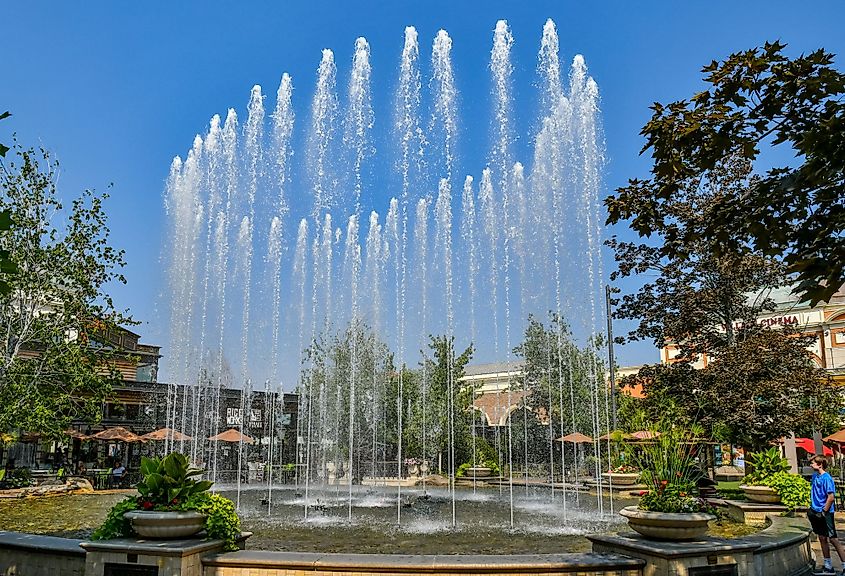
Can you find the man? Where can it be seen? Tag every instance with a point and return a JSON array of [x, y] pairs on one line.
[[822, 495]]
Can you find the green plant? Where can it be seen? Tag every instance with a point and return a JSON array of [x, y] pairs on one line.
[[115, 525], [667, 464], [18, 478], [167, 485], [764, 464], [167, 482], [670, 498], [485, 456], [793, 490], [222, 521]]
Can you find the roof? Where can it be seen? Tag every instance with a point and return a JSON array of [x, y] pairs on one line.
[[493, 368]]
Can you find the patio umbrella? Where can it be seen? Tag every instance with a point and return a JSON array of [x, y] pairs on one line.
[[75, 434], [810, 446], [643, 435], [233, 436], [838, 437], [166, 433], [117, 434], [576, 438]]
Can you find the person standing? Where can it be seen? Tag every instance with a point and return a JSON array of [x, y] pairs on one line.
[[822, 508]]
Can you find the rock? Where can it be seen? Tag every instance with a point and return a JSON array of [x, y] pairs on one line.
[[436, 480]]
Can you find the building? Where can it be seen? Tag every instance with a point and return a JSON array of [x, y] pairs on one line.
[[825, 322]]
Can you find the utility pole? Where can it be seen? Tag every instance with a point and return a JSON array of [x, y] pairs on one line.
[[610, 361]]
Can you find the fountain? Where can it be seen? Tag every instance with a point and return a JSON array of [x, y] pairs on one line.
[[304, 258]]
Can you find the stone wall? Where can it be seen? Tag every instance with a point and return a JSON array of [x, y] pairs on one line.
[[33, 555], [257, 563]]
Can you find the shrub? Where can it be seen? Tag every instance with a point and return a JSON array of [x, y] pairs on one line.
[[793, 490], [765, 464], [115, 525]]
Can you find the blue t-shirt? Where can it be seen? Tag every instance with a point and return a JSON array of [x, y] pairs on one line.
[[822, 485]]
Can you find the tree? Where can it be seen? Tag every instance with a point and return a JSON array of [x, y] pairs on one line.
[[431, 417], [757, 391], [700, 297], [758, 99], [7, 267], [560, 377], [56, 364]]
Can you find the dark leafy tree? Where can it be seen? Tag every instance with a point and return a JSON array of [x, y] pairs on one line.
[[697, 297], [758, 99], [759, 390]]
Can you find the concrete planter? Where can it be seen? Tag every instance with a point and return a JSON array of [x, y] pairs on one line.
[[667, 525], [621, 478], [761, 494], [166, 524], [479, 472]]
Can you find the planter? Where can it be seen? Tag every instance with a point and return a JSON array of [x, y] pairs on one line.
[[479, 472], [621, 478], [667, 525], [166, 524], [761, 494]]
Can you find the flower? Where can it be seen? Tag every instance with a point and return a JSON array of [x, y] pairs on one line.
[[147, 505]]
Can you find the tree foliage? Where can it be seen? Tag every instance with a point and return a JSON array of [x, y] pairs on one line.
[[758, 99], [699, 296], [760, 390], [56, 364]]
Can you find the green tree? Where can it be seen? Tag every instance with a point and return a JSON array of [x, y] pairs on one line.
[[57, 364], [758, 99], [7, 267], [429, 421]]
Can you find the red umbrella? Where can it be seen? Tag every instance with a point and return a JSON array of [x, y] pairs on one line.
[[810, 446]]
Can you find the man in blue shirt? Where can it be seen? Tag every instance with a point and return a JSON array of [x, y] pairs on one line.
[[822, 495]]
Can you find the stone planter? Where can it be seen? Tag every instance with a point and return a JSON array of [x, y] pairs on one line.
[[760, 494], [166, 524], [667, 525], [479, 472], [621, 478]]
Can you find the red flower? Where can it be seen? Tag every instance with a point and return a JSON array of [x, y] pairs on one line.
[[174, 502], [147, 505]]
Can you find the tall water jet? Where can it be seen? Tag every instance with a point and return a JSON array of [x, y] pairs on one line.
[[323, 112], [359, 120]]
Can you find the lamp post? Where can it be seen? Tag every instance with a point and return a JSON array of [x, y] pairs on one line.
[[610, 361]]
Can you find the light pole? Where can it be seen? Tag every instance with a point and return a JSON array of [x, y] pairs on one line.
[[610, 361]]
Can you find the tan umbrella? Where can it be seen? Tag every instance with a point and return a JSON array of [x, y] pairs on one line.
[[76, 434], [165, 434], [576, 438], [643, 435], [233, 436], [118, 434], [837, 437]]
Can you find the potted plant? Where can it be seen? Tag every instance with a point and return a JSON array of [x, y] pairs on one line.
[[172, 504], [669, 509], [622, 475], [770, 482]]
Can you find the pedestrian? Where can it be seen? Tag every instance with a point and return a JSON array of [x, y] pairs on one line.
[[822, 496]]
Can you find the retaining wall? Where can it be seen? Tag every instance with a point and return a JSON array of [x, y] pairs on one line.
[[33, 555]]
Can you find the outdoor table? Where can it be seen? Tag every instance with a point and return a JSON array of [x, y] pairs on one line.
[[99, 477]]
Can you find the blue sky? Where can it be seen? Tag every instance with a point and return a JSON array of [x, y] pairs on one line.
[[116, 90]]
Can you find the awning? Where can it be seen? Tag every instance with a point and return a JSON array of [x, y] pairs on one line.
[[810, 446]]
